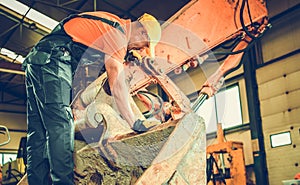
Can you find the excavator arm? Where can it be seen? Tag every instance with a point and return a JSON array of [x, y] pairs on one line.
[[204, 30]]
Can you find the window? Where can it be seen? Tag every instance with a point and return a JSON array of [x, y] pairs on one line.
[[32, 14], [7, 157], [280, 139], [224, 107], [208, 112]]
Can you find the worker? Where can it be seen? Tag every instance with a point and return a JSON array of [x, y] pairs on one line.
[[49, 69]]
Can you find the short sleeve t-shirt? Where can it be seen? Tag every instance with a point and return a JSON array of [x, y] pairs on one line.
[[100, 35]]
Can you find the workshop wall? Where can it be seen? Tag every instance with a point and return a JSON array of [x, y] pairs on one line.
[[279, 92], [16, 123]]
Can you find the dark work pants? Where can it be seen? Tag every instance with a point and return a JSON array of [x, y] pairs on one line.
[[50, 138]]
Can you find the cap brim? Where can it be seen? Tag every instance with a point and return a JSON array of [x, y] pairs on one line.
[[152, 50]]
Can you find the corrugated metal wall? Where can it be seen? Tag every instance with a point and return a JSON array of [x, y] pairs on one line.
[[279, 94]]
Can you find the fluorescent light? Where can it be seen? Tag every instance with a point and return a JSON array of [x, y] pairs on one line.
[[12, 55], [32, 14]]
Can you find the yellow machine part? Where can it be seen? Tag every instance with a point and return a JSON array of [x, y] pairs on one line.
[[13, 171]]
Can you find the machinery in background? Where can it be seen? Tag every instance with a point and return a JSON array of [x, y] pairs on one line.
[[225, 162], [13, 171], [5, 132]]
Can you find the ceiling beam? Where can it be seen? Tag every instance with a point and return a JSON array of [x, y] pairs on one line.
[[9, 67], [20, 19], [120, 9], [68, 2], [58, 6]]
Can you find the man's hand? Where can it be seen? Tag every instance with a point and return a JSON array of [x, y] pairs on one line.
[[119, 89]]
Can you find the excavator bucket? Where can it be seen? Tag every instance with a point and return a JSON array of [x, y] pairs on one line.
[[173, 151]]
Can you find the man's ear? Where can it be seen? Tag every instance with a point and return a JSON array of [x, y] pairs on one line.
[[148, 51]]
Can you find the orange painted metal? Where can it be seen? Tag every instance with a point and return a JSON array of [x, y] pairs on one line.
[[214, 82], [236, 162], [203, 25], [191, 33], [195, 30]]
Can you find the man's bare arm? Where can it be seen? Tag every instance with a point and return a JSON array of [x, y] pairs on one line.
[[119, 89]]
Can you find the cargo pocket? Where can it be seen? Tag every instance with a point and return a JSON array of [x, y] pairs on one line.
[[65, 75], [57, 77], [52, 83], [71, 127]]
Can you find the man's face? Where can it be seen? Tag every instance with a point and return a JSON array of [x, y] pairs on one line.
[[139, 41]]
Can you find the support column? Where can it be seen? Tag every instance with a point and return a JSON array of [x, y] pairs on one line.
[[259, 155]]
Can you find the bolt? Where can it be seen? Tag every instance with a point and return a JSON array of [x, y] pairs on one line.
[[205, 40], [98, 117]]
